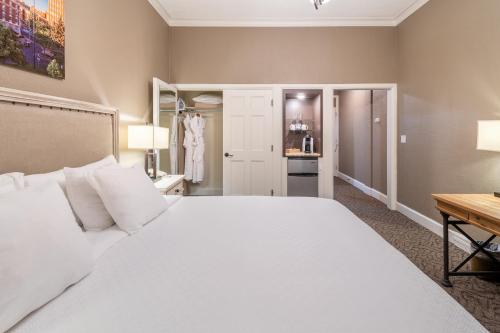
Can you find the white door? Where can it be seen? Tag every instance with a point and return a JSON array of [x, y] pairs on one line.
[[247, 142]]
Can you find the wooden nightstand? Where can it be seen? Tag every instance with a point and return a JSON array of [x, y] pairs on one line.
[[170, 185]]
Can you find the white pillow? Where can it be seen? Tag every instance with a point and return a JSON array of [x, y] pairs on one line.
[[45, 178], [84, 200], [42, 251], [129, 196], [10, 182], [208, 99]]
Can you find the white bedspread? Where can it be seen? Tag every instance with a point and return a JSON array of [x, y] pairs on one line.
[[254, 265]]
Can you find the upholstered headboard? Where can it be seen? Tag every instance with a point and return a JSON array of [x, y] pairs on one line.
[[40, 133]]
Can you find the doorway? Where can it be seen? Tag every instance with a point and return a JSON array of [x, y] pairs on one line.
[[361, 142]]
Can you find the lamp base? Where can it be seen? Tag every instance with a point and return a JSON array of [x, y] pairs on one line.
[[497, 194], [150, 156]]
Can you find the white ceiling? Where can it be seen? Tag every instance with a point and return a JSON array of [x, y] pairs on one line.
[[283, 13]]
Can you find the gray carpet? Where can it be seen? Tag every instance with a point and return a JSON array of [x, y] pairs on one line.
[[424, 249]]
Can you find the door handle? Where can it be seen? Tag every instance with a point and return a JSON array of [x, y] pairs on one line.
[[228, 155]]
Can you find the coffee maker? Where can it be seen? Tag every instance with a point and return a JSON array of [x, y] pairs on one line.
[[308, 144]]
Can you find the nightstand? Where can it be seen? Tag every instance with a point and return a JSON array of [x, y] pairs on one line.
[[170, 185]]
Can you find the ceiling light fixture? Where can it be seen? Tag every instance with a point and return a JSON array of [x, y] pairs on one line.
[[318, 3], [301, 96]]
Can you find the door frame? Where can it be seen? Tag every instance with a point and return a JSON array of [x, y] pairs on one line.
[[326, 164], [392, 136]]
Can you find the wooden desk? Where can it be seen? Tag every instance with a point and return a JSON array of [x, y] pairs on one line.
[[479, 210]]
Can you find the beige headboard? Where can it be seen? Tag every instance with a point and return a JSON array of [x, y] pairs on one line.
[[40, 133]]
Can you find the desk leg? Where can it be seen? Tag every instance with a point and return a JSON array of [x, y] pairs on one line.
[[446, 259]]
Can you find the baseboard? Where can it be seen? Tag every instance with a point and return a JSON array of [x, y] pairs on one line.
[[434, 226], [366, 189], [426, 222]]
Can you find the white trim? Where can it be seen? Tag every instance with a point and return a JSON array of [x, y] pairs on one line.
[[324, 22], [26, 97], [409, 11], [392, 148], [161, 10], [229, 86], [326, 163], [434, 226], [328, 171], [392, 135], [363, 187], [332, 22]]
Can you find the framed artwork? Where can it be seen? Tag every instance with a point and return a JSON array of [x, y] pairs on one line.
[[32, 36]]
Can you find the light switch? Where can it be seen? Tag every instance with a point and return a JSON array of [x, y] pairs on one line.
[[377, 120], [403, 138]]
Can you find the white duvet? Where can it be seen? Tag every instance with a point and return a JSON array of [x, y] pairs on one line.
[[233, 264]]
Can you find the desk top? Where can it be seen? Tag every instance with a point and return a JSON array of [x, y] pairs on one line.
[[482, 210]]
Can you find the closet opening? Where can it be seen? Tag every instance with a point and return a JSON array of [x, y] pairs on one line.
[[360, 150], [196, 133]]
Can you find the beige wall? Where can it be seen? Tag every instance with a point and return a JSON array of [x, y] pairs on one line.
[[283, 55], [112, 52], [449, 77], [355, 154]]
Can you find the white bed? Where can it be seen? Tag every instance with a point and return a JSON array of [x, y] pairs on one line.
[[233, 264]]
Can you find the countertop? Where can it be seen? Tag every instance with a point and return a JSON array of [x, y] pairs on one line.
[[302, 155]]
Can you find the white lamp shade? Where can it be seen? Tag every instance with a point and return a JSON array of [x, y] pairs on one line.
[[488, 135], [161, 137], [147, 137]]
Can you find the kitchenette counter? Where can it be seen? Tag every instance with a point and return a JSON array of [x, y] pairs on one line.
[[301, 154]]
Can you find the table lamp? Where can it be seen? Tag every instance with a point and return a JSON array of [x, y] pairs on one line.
[[488, 137], [149, 138]]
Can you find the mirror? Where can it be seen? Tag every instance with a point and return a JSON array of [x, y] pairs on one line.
[[165, 115]]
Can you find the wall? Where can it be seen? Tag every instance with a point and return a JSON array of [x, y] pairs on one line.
[[283, 55], [449, 77], [355, 154], [362, 142], [112, 53]]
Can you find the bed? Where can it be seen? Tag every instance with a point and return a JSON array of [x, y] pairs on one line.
[[248, 264]]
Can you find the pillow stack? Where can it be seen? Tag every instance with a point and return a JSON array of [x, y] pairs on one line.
[[104, 193], [42, 250]]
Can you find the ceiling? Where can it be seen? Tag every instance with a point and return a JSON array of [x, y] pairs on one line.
[[284, 13]]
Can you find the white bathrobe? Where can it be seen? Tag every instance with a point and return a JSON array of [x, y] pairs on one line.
[[189, 148], [198, 128]]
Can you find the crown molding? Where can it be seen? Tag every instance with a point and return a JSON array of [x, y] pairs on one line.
[[161, 10], [409, 11], [354, 22], [327, 22]]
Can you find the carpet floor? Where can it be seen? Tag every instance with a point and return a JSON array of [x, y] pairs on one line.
[[424, 249]]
